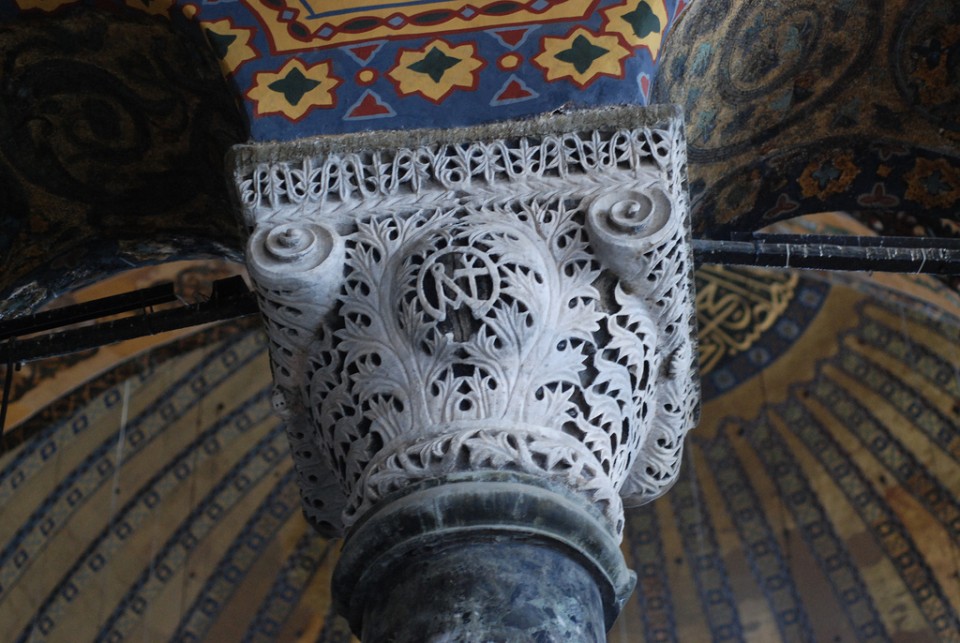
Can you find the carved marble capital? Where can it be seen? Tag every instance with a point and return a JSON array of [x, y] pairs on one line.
[[514, 297]]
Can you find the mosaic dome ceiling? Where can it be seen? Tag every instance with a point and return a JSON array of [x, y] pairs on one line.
[[155, 500]]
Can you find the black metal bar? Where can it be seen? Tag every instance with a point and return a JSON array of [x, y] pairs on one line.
[[227, 302], [772, 252], [849, 240], [87, 311], [231, 298], [7, 385]]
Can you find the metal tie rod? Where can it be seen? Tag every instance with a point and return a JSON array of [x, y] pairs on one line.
[[830, 252], [230, 299]]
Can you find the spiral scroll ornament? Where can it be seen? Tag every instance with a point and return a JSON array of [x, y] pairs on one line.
[[294, 267], [289, 250], [628, 227]]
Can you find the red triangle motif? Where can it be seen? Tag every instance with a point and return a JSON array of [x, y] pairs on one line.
[[645, 85], [511, 37], [513, 91], [369, 106], [681, 5], [364, 52]]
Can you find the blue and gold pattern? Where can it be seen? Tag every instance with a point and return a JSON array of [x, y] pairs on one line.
[[513, 58], [480, 62], [827, 489], [819, 107]]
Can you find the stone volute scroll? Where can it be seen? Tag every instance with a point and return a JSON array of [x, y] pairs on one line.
[[483, 346]]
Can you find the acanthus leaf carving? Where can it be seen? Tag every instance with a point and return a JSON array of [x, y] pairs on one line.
[[521, 303]]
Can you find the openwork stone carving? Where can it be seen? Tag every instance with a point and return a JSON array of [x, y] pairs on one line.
[[507, 298]]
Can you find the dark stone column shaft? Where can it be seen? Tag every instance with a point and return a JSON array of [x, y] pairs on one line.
[[486, 591], [483, 556]]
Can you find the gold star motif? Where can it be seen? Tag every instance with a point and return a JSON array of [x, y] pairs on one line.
[[582, 57], [294, 90], [231, 46], [934, 183], [828, 175], [640, 22], [436, 70]]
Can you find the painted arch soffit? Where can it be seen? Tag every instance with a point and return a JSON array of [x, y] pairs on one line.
[[113, 129], [822, 106], [308, 67]]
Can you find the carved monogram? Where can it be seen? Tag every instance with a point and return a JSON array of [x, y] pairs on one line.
[[520, 304]]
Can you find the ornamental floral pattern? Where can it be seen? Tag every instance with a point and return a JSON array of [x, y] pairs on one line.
[[582, 57], [436, 70], [521, 304], [294, 90], [641, 24], [430, 63]]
